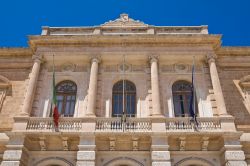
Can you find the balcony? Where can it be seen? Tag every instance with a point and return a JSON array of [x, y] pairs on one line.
[[130, 125], [188, 124]]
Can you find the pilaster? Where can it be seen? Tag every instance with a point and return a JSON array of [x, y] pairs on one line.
[[86, 155], [16, 153], [160, 155], [233, 154]]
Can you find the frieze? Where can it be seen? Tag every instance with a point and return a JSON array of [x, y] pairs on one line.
[[111, 68], [68, 67], [138, 68], [180, 68]]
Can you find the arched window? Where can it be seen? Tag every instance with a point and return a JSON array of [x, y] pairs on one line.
[[181, 98], [66, 98], [129, 99]]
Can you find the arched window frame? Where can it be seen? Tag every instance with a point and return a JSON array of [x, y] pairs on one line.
[[66, 96], [130, 98], [185, 95]]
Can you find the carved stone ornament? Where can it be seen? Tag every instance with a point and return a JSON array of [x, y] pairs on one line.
[[124, 20], [68, 67], [181, 67], [211, 57], [124, 67]]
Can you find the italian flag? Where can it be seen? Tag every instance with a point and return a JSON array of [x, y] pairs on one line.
[[54, 103]]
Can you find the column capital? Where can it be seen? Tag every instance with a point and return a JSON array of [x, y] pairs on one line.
[[37, 58], [95, 59], [211, 57], [153, 58]]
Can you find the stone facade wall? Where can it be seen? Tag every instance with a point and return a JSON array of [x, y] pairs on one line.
[[43, 95], [14, 97], [233, 98]]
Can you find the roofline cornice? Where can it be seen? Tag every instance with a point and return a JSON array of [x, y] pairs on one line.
[[15, 52], [234, 51], [105, 40]]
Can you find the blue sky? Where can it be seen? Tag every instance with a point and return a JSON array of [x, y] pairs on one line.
[[20, 18]]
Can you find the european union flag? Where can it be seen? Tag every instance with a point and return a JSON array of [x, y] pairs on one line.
[[192, 99]]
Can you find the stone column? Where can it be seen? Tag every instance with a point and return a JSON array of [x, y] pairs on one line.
[[30, 92], [92, 92], [216, 85], [156, 103], [160, 154], [16, 153], [86, 155], [234, 155]]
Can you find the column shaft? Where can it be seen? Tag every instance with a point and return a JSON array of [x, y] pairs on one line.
[[155, 88], [28, 100], [92, 92], [217, 87]]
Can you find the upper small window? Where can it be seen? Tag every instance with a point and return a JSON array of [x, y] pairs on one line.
[[181, 98], [66, 98]]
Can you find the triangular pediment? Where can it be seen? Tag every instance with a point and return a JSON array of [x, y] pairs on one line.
[[124, 21]]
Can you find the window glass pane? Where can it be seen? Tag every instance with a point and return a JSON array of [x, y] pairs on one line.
[[129, 92], [66, 97], [59, 107], [72, 108], [181, 97]]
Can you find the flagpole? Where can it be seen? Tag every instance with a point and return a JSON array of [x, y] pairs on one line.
[[194, 85]]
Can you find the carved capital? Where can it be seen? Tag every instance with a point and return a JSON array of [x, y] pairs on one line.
[[95, 59], [153, 58], [37, 58], [211, 57]]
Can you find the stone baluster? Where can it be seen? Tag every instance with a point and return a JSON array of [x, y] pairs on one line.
[[216, 85], [155, 87], [92, 92], [30, 92]]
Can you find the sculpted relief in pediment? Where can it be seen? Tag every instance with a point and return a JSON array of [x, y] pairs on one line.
[[124, 20]]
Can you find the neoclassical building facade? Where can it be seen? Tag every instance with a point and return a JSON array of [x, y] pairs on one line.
[[123, 93]]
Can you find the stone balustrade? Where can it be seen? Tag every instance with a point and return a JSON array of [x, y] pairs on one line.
[[47, 124], [102, 125], [129, 125], [188, 124]]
